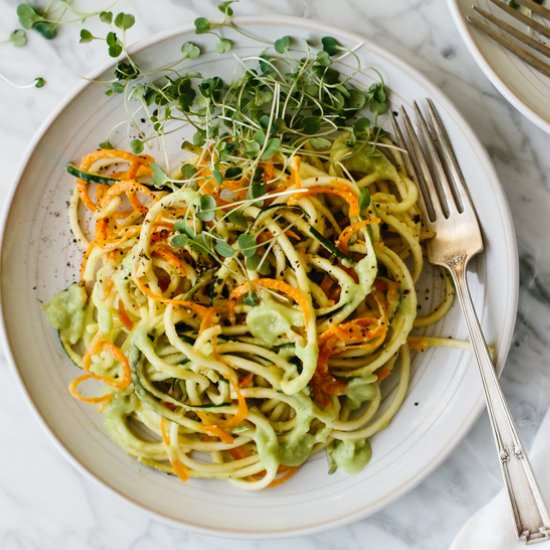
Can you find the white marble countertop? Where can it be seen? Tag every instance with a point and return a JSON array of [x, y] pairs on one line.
[[46, 505]]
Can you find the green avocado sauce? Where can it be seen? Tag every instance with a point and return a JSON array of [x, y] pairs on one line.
[[66, 312], [270, 320], [351, 456]]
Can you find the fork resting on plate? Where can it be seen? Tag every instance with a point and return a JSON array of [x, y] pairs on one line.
[[449, 212]]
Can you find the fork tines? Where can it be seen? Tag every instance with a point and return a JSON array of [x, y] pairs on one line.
[[443, 194], [512, 36], [432, 163]]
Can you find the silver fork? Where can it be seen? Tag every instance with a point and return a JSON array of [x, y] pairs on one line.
[[513, 36], [449, 212]]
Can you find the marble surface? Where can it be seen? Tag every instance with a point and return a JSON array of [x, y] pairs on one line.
[[46, 505]]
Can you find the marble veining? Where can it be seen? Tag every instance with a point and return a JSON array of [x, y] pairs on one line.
[[45, 504]]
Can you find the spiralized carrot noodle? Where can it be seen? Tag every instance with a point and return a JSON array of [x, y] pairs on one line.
[[249, 304]]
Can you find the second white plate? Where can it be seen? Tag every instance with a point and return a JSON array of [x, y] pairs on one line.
[[525, 88]]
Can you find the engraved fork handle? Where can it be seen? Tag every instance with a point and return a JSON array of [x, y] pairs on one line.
[[530, 514]]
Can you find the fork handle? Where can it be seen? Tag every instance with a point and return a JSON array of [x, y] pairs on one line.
[[530, 514]]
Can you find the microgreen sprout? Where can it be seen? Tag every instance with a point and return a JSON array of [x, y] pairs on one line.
[[124, 21], [226, 9], [224, 249], [330, 45], [293, 98], [224, 45], [38, 82], [204, 26], [46, 22], [136, 145], [190, 50], [32, 17], [188, 171], [160, 178], [17, 38], [86, 36], [207, 208], [282, 44], [247, 244], [378, 98]]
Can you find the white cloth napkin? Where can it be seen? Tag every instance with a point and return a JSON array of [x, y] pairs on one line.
[[491, 528]]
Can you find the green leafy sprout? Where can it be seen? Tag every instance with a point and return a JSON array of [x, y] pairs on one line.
[[18, 38], [46, 21], [293, 98]]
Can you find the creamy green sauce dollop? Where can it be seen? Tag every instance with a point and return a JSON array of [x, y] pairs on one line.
[[270, 320], [351, 456], [66, 311]]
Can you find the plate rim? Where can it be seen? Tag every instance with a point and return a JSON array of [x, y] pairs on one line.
[[508, 329], [490, 73]]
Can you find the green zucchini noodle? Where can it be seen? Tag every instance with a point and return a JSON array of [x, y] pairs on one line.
[[241, 313], [253, 369]]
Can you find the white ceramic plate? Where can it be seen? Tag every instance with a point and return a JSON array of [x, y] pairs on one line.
[[39, 258], [524, 87]]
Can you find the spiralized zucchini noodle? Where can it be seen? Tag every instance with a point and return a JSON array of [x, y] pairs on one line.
[[237, 342], [243, 312]]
